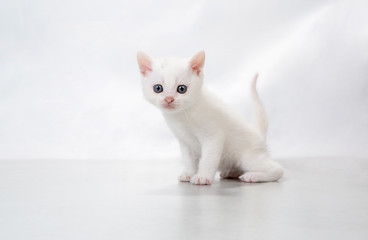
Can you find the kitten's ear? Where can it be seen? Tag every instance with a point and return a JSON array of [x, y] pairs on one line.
[[144, 62], [197, 62]]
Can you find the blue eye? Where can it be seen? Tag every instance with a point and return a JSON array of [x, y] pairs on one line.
[[182, 89], [158, 88]]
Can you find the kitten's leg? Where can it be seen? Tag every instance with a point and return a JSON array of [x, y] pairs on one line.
[[210, 159], [261, 169], [190, 163]]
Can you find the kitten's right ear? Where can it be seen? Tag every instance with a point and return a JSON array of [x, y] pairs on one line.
[[144, 63]]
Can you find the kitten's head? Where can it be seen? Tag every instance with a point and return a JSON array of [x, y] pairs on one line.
[[172, 85]]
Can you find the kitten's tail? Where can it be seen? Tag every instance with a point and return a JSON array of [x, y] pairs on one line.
[[260, 122]]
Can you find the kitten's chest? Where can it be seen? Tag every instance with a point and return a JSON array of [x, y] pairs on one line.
[[185, 131]]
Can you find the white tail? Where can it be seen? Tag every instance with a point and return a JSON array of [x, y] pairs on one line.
[[259, 111]]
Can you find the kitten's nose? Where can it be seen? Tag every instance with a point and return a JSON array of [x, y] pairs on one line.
[[169, 99]]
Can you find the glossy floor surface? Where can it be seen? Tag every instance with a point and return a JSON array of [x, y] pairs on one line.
[[108, 199]]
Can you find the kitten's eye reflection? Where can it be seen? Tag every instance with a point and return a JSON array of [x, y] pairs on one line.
[[158, 88], [182, 89]]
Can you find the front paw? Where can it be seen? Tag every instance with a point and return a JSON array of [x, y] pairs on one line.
[[200, 179], [185, 177]]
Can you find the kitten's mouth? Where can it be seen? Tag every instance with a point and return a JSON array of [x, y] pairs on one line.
[[169, 107]]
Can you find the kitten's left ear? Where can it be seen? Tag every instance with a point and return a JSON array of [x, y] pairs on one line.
[[144, 62], [197, 62]]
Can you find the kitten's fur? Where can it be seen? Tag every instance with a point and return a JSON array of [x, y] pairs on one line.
[[212, 137]]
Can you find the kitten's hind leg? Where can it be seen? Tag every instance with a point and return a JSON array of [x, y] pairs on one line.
[[261, 169]]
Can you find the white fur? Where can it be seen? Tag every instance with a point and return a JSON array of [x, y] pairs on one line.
[[212, 137]]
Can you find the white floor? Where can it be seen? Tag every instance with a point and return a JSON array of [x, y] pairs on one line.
[[105, 199]]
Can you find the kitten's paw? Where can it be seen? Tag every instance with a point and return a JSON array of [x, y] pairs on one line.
[[251, 177], [201, 180], [185, 177]]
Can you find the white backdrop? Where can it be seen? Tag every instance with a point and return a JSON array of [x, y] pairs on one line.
[[69, 84]]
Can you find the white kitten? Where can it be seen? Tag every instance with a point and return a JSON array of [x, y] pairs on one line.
[[212, 137]]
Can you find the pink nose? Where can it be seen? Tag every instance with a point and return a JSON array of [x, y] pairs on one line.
[[169, 100]]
